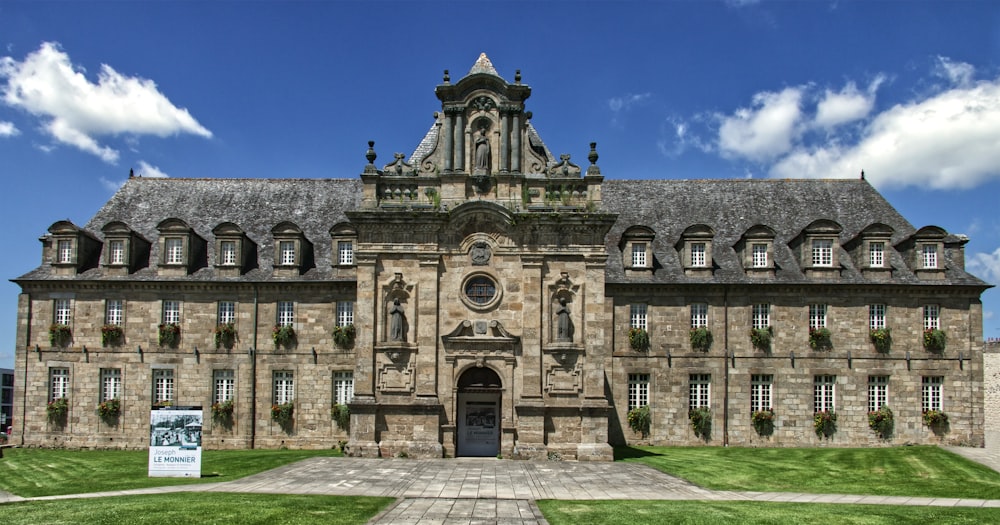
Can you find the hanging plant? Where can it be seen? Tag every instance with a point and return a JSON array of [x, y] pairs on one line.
[[282, 413], [819, 339], [112, 335], [701, 421], [343, 336], [825, 423], [701, 339], [57, 409], [170, 334], [222, 412], [760, 338], [934, 340], [881, 422], [225, 335], [639, 420], [341, 415], [60, 334], [763, 422], [638, 339], [109, 410], [936, 420], [283, 335], [881, 338]]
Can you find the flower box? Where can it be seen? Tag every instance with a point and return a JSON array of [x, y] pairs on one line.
[[935, 419], [760, 338], [57, 409], [638, 339], [881, 338], [112, 335], [341, 415], [701, 421], [763, 422], [934, 340], [60, 335], [881, 422], [639, 420], [109, 410], [282, 413], [222, 411], [825, 423], [343, 336], [170, 334], [819, 339], [283, 335], [701, 339], [225, 335]]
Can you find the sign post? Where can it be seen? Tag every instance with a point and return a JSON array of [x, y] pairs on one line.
[[175, 442]]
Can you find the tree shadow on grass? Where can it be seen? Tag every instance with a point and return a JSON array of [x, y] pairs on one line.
[[623, 453]]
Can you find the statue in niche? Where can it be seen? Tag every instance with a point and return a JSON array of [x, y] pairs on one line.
[[482, 150], [564, 326], [397, 322]]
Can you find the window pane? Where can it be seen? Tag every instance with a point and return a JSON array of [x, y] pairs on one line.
[[759, 255], [345, 252], [932, 317], [175, 251], [287, 249], [286, 313], [761, 315], [639, 254], [227, 312], [817, 316], [65, 248], [345, 313], [699, 315], [878, 392], [876, 251], [822, 252], [171, 312], [343, 387], [117, 252], [59, 379], [225, 385], [637, 316], [62, 311], [114, 312], [760, 392], [699, 395], [228, 252], [638, 390], [698, 254]]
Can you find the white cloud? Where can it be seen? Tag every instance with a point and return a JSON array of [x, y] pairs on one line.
[[618, 104], [147, 170], [948, 140], [958, 73], [111, 185], [7, 129], [986, 266], [847, 105], [47, 85], [766, 129]]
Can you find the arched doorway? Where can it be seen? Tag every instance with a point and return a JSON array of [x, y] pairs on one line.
[[479, 401]]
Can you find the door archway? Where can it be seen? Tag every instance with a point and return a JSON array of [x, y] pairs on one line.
[[479, 400]]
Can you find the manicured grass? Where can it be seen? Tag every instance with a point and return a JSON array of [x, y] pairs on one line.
[[898, 471], [31, 472], [198, 507], [752, 513]]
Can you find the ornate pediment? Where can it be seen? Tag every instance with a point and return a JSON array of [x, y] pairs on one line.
[[480, 332]]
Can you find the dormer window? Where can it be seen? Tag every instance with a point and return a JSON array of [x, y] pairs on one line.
[[64, 251], [345, 253], [695, 246], [929, 256], [637, 250], [116, 252], [822, 252], [182, 251], [756, 249], [69, 249], [759, 255], [234, 252], [923, 251], [876, 254], [292, 251], [174, 250], [344, 237], [227, 253], [871, 251], [639, 255], [818, 245], [287, 253], [698, 254]]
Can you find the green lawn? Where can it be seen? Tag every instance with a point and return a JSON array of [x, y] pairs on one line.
[[897, 471], [752, 513], [198, 507], [31, 472]]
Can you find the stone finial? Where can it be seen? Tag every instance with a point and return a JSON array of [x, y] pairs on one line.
[[592, 156], [447, 77], [370, 154], [131, 173], [862, 174], [517, 76]]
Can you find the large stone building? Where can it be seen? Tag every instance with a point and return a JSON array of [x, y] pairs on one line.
[[485, 297]]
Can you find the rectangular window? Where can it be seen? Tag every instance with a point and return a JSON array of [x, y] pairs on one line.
[[638, 390], [932, 317], [824, 393], [171, 312], [345, 252], [163, 385], [699, 391], [699, 315], [929, 256], [759, 255], [114, 312], [698, 254], [116, 252], [876, 254], [62, 311], [876, 316], [639, 255], [345, 313], [343, 387], [930, 393], [637, 316], [65, 248], [111, 383], [286, 313], [228, 253], [227, 312], [878, 392], [175, 251], [817, 316], [287, 249], [225, 385], [822, 252], [761, 315], [284, 387], [59, 381], [760, 392]]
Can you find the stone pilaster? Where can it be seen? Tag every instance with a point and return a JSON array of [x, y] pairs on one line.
[[427, 326]]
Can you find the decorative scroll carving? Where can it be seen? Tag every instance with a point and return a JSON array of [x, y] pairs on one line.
[[564, 168], [483, 103], [399, 167]]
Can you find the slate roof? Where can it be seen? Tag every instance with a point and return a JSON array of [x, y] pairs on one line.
[[668, 207]]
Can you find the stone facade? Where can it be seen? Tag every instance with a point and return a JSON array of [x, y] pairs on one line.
[[481, 297]]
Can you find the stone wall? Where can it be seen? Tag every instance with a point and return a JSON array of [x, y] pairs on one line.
[[991, 388]]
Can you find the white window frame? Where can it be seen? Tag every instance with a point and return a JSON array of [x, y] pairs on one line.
[[759, 255], [761, 392], [878, 392], [929, 256], [822, 252], [286, 313], [116, 251], [114, 312], [876, 254], [699, 258], [224, 385], [699, 315], [227, 253], [932, 317], [343, 387], [284, 386], [824, 393], [638, 255], [286, 251], [638, 390], [163, 385], [63, 311], [817, 315], [64, 248], [174, 248], [345, 313], [171, 312], [931, 390], [761, 316], [111, 384], [638, 317], [699, 391], [877, 316], [345, 253], [227, 312], [58, 383]]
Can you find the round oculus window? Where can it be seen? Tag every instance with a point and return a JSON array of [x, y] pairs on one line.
[[480, 291]]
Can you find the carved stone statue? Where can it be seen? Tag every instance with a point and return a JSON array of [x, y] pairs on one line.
[[397, 322], [564, 326], [482, 150]]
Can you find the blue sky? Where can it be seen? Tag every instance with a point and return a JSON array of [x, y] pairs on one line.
[[907, 91]]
